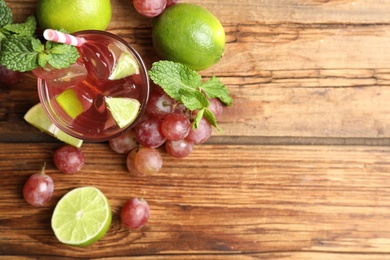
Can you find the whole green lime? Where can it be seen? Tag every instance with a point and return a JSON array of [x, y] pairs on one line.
[[189, 34], [75, 15]]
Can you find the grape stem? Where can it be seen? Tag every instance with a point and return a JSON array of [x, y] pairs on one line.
[[43, 168], [142, 196]]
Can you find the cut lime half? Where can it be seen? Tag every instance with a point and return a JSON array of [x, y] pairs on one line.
[[37, 117], [70, 103], [123, 110], [81, 217], [126, 66]]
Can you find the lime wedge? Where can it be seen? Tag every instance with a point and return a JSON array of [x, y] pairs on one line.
[[81, 217], [70, 103], [123, 110], [37, 117], [126, 66]]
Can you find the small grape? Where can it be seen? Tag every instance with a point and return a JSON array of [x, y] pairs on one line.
[[179, 149], [171, 2], [160, 105], [130, 163], [38, 189], [148, 161], [175, 126], [135, 213], [148, 133], [150, 8], [123, 143], [201, 133], [9, 77], [216, 107], [68, 159]]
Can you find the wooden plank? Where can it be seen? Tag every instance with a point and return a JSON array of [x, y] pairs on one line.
[[323, 11], [221, 200]]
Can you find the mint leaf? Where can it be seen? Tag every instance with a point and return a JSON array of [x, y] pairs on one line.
[[37, 45], [214, 88], [173, 76], [198, 117], [193, 99], [17, 53], [43, 59], [211, 118], [2, 36], [5, 14], [61, 55], [23, 29]]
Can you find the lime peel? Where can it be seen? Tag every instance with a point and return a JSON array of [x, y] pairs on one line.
[[81, 217], [123, 110], [37, 117]]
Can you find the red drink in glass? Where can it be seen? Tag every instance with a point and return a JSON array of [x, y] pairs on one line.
[[74, 98]]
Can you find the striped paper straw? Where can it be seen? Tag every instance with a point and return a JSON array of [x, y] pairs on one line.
[[56, 36]]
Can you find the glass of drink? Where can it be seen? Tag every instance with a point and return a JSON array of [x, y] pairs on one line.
[[89, 99]]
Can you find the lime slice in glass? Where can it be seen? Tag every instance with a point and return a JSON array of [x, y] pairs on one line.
[[81, 217], [123, 110], [37, 117], [126, 66], [70, 103]]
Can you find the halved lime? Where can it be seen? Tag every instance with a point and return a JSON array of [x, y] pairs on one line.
[[123, 110], [126, 66], [37, 117], [81, 217], [70, 103]]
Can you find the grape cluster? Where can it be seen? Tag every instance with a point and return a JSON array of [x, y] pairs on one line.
[[152, 8], [166, 124]]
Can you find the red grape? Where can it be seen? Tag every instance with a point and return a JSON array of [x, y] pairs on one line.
[[69, 159], [175, 126], [38, 189], [148, 161], [216, 107], [9, 77], [123, 143], [135, 213], [171, 2], [150, 8], [200, 134], [130, 163], [160, 105], [148, 133], [180, 148]]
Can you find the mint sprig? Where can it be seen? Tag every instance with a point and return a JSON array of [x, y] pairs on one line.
[[21, 51], [27, 28], [5, 14], [185, 85], [25, 53]]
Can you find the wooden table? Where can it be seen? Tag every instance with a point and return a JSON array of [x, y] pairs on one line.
[[301, 170]]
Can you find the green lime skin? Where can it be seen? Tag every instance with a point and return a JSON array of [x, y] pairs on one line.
[[189, 34], [75, 15]]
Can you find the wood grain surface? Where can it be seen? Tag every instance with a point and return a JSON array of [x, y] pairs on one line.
[[300, 171]]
